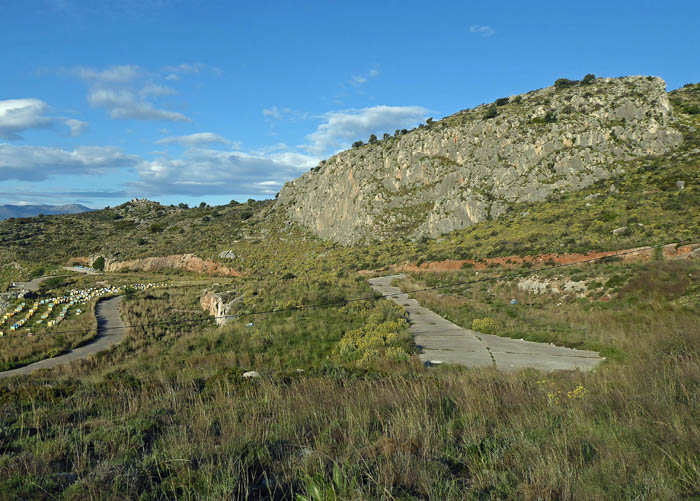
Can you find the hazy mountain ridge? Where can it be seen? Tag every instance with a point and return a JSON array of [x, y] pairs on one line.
[[7, 211], [473, 165]]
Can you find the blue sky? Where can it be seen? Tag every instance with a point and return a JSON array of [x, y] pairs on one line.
[[189, 101]]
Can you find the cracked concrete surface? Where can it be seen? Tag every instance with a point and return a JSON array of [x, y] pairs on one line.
[[441, 341]]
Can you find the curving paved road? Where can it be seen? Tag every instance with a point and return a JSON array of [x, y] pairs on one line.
[[110, 331], [441, 341]]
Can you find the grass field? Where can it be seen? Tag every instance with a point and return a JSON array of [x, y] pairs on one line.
[[168, 414]]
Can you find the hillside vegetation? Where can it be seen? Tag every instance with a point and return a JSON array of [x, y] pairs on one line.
[[340, 407]]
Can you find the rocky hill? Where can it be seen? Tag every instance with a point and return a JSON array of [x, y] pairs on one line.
[[473, 165]]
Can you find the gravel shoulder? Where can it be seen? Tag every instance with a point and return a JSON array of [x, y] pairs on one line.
[[110, 331]]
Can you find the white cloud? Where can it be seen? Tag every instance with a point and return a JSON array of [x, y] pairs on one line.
[[483, 30], [273, 112], [123, 104], [76, 127], [18, 115], [172, 76], [36, 163], [114, 74], [340, 128], [156, 90], [185, 68], [119, 90], [284, 114], [206, 172], [197, 139], [361, 79]]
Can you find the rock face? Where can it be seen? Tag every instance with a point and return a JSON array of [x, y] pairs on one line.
[[188, 262], [219, 304], [472, 165]]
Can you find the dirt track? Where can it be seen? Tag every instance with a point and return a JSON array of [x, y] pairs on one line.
[[110, 331]]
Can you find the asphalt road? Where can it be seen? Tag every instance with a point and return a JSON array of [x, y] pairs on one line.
[[441, 341], [110, 331]]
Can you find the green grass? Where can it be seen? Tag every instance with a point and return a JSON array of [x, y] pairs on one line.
[[181, 430], [168, 414]]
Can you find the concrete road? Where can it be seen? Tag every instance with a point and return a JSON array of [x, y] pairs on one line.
[[441, 341], [81, 269], [110, 331], [32, 285]]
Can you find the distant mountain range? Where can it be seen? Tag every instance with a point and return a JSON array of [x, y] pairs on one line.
[[8, 211]]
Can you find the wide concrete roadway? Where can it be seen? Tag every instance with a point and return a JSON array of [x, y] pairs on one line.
[[110, 331], [441, 341]]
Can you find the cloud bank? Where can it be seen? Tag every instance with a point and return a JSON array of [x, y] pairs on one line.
[[201, 171], [123, 94], [341, 128], [37, 163], [197, 139], [18, 115]]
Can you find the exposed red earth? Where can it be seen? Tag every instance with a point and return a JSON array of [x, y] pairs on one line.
[[627, 255]]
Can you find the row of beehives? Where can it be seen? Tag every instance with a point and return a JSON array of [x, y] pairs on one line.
[[73, 297]]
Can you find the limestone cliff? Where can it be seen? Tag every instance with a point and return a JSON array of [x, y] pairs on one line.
[[472, 165]]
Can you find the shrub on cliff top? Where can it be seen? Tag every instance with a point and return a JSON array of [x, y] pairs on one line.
[[564, 83], [491, 112]]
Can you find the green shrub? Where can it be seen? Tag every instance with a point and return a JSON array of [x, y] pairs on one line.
[[502, 101], [99, 264], [564, 83], [615, 281], [487, 325], [490, 112]]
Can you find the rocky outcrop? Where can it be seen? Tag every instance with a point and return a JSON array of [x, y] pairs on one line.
[[472, 165], [219, 304], [227, 254], [187, 262]]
